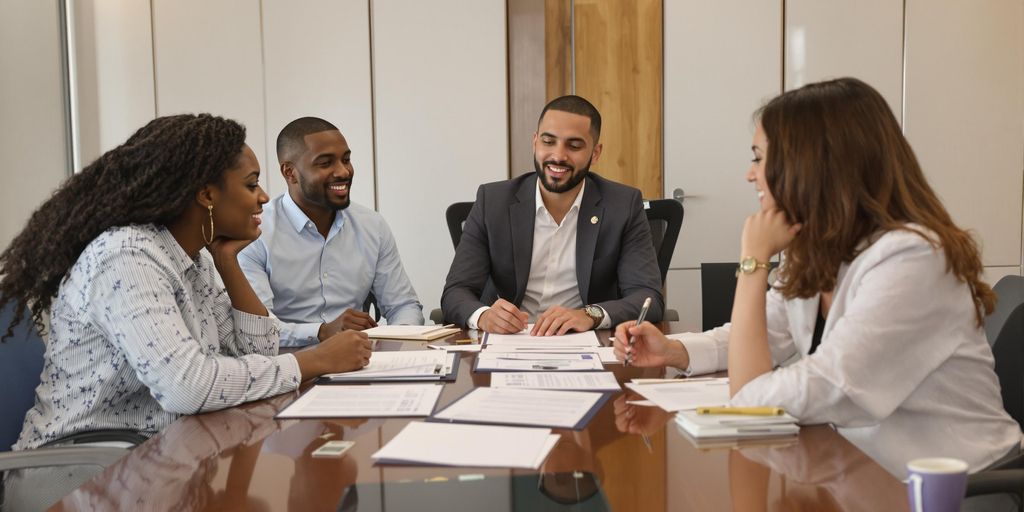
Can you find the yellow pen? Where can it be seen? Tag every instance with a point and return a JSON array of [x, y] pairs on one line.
[[750, 411]]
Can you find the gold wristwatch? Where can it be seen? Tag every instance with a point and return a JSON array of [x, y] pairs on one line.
[[749, 265]]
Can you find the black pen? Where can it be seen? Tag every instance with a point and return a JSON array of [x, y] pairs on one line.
[[639, 320]]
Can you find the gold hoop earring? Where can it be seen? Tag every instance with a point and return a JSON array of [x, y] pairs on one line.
[[203, 228]]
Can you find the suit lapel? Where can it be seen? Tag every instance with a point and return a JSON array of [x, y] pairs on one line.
[[521, 216], [586, 236]]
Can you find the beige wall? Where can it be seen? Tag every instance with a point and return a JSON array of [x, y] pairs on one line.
[[32, 119], [424, 105]]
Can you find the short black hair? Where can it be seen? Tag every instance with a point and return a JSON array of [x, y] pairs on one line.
[[576, 105], [292, 136]]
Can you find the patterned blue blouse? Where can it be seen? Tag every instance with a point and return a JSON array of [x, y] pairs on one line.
[[140, 333]]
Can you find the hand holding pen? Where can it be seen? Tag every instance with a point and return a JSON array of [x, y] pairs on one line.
[[639, 320]]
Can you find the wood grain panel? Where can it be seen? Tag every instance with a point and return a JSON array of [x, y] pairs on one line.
[[619, 68], [557, 48]]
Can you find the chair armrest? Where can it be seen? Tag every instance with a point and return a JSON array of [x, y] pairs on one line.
[[61, 456], [994, 482]]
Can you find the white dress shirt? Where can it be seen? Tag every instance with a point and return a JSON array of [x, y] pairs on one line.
[[903, 370], [552, 280]]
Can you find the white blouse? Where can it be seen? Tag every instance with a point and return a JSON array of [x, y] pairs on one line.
[[902, 371], [140, 334]]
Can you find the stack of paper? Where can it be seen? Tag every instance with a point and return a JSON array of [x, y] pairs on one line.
[[468, 445], [683, 394], [523, 340], [534, 407], [365, 401], [411, 332], [705, 426], [575, 381], [402, 365], [488, 361]]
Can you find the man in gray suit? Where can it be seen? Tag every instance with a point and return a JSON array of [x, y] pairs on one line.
[[564, 247]]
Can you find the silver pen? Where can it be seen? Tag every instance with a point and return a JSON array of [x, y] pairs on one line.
[[639, 320]]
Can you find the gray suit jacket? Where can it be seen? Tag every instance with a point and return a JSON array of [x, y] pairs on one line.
[[616, 267]]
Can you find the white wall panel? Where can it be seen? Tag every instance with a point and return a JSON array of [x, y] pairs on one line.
[[441, 121], [317, 63], [722, 61], [964, 112], [209, 59], [834, 38], [114, 72], [32, 117], [684, 296]]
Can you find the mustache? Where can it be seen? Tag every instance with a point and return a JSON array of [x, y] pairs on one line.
[[561, 164]]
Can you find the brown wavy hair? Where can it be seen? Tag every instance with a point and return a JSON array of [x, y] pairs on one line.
[[151, 178], [837, 162]]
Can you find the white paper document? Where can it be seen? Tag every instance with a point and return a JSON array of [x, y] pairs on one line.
[[384, 400], [607, 354], [545, 408], [401, 365], [523, 339], [578, 381], [469, 347], [486, 446], [411, 332], [685, 394], [529, 361]]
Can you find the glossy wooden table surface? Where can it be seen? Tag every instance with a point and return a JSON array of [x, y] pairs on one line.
[[244, 459]]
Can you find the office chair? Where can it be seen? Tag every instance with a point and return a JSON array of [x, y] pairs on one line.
[[717, 291], [21, 365], [1008, 351], [371, 301], [1010, 293], [666, 218], [456, 215]]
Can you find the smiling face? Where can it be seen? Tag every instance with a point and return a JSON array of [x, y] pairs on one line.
[[238, 200], [756, 174], [563, 150], [321, 177]]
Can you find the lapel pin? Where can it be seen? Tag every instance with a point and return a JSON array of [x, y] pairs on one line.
[[593, 220]]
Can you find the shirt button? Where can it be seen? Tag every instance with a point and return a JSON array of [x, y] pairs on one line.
[[325, 274]]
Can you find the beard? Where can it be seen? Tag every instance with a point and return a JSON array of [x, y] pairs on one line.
[[574, 179], [321, 196]]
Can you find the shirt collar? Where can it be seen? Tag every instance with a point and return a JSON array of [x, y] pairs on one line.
[[180, 259], [298, 219], [539, 201]]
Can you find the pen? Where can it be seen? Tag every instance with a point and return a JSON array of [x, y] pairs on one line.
[[647, 443], [639, 320], [750, 411]]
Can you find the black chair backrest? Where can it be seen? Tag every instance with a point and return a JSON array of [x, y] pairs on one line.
[[21, 365], [1008, 351], [371, 301], [665, 217], [1010, 293], [456, 215], [717, 291]]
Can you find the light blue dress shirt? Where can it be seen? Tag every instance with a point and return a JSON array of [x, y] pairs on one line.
[[307, 281]]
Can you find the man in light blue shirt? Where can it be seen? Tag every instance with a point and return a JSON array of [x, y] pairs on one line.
[[320, 255]]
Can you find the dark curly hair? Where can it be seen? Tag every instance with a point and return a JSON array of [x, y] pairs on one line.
[[151, 178]]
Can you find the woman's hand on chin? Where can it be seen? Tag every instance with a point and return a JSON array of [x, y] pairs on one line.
[[226, 249], [766, 233]]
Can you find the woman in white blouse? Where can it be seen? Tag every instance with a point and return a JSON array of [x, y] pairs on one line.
[[875, 322], [144, 324]]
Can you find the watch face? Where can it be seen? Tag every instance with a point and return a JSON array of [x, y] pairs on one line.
[[593, 311], [748, 265]]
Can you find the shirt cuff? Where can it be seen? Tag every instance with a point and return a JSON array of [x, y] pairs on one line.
[[606, 321], [291, 375], [475, 317], [702, 351], [255, 325]]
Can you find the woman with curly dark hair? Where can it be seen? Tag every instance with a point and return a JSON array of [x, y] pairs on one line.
[[144, 324], [876, 318]]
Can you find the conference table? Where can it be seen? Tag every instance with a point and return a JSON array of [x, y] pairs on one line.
[[629, 457]]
